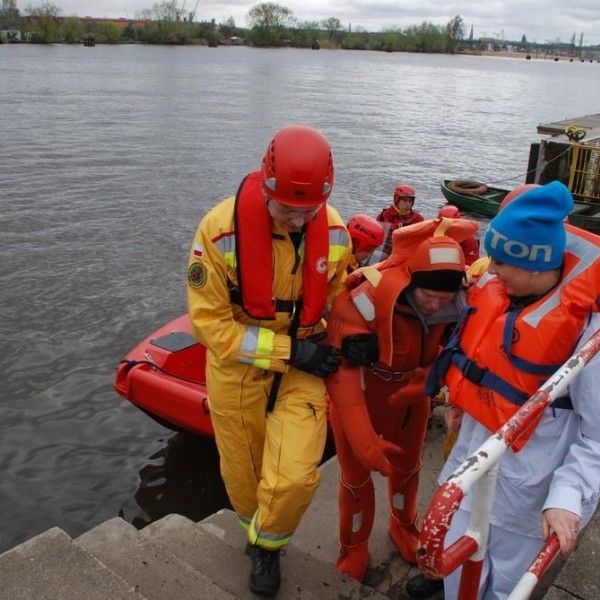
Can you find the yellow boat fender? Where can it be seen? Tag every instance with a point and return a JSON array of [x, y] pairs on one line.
[[575, 134], [467, 187]]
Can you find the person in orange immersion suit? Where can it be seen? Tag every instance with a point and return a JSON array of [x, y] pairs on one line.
[[389, 324]]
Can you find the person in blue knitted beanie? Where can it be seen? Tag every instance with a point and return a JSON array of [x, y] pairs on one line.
[[537, 302], [530, 231]]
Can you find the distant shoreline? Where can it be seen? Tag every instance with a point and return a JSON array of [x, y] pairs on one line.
[[524, 55]]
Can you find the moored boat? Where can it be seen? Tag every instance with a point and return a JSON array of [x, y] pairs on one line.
[[473, 196], [164, 376], [482, 199]]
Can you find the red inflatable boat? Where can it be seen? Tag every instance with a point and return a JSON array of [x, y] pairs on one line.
[[164, 376]]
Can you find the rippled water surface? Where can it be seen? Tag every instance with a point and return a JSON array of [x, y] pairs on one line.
[[109, 156]]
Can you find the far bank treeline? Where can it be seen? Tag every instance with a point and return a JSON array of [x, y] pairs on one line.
[[269, 25]]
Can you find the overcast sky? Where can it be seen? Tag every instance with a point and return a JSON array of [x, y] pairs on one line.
[[539, 20]]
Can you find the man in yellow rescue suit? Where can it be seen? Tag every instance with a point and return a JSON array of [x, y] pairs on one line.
[[264, 266], [389, 325]]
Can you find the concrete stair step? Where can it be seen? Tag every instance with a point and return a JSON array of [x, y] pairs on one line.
[[314, 575], [204, 551], [51, 566], [157, 574]]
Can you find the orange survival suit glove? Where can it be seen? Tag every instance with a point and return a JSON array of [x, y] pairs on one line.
[[413, 391]]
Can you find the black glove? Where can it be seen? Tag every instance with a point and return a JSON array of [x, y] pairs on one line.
[[317, 359], [360, 350]]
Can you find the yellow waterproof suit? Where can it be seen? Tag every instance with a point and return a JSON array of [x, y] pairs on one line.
[[268, 460]]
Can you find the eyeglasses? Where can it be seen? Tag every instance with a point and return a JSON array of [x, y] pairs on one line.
[[294, 212]]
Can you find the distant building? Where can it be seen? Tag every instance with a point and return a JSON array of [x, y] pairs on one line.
[[10, 35]]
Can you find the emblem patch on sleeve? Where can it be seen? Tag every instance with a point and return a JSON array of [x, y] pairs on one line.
[[197, 275]]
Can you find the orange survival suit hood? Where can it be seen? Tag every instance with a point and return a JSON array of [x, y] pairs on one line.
[[425, 247]]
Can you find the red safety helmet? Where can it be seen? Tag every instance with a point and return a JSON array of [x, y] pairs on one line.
[[404, 191], [297, 168], [366, 233], [520, 189], [449, 211]]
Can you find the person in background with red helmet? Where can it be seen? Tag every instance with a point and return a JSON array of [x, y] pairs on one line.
[[264, 267], [389, 324], [399, 214], [470, 246], [366, 234]]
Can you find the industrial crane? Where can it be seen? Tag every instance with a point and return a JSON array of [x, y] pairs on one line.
[[181, 12], [193, 14]]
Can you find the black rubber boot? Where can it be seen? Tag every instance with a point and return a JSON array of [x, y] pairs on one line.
[[421, 587], [265, 576]]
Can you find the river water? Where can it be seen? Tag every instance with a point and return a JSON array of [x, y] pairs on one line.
[[109, 156]]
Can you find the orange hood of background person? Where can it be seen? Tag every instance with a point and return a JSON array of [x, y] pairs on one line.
[[432, 245]]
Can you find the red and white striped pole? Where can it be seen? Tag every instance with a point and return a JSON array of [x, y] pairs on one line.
[[538, 567], [435, 560]]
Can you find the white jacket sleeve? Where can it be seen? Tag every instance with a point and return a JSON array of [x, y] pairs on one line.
[[575, 485]]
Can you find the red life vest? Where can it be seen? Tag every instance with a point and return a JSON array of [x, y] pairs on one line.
[[254, 256], [501, 358], [390, 215]]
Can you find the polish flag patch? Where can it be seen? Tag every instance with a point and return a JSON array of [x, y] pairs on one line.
[[198, 250]]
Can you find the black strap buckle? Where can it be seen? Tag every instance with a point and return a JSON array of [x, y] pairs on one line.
[[287, 306], [473, 373]]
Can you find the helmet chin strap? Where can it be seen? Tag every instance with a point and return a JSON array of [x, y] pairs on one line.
[[267, 202]]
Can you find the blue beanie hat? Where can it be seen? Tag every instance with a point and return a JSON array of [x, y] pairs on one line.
[[529, 232]]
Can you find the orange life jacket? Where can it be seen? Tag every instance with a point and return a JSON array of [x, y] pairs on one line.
[[390, 277], [497, 358], [254, 257]]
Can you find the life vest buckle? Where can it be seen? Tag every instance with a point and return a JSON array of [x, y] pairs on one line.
[[287, 306], [473, 372], [279, 305], [388, 375]]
